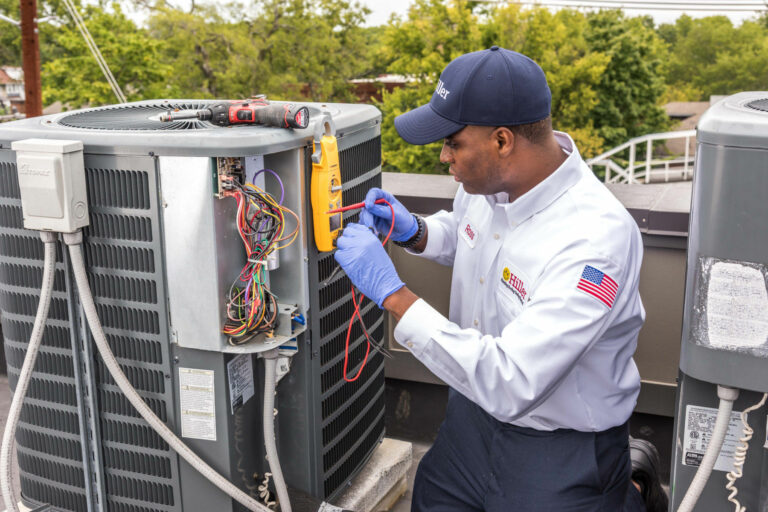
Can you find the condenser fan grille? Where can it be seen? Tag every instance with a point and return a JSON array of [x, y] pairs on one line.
[[137, 117], [759, 104]]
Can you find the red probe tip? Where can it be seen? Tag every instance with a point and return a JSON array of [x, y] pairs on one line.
[[355, 206]]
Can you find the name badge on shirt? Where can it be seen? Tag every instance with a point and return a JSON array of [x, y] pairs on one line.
[[468, 232], [513, 283]]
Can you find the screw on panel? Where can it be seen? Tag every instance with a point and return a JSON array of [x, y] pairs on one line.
[[176, 359], [151, 153]]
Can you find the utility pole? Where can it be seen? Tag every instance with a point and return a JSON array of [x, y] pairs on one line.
[[30, 55]]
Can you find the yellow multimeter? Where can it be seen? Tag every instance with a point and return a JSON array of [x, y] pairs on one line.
[[325, 186]]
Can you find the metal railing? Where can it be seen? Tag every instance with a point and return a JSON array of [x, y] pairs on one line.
[[680, 168]]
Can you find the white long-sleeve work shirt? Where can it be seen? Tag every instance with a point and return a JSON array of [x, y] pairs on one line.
[[544, 310]]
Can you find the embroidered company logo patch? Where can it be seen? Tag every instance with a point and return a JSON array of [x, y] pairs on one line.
[[470, 233], [441, 90], [514, 284]]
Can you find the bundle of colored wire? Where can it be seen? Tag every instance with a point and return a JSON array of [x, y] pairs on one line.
[[356, 314], [251, 306]]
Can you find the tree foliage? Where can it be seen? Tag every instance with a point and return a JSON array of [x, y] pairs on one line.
[[710, 56], [609, 74], [631, 86], [134, 58], [10, 36], [419, 47], [604, 70], [296, 49]]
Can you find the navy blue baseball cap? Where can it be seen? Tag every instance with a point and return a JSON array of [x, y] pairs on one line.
[[494, 87]]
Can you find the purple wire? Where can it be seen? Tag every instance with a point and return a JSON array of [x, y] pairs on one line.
[[282, 189]]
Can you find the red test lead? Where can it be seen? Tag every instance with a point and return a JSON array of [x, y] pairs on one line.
[[355, 206]]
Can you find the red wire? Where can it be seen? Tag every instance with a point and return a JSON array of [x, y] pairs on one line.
[[356, 313]]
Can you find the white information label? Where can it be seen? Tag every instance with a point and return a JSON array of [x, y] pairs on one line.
[[240, 371], [737, 306], [198, 404], [699, 423]]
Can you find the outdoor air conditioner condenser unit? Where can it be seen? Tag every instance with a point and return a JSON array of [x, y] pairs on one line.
[[162, 251], [725, 322]]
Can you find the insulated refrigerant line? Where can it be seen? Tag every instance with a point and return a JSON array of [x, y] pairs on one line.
[[46, 289], [74, 241]]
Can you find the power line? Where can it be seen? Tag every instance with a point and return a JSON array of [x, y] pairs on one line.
[[718, 4], [95, 50], [649, 5]]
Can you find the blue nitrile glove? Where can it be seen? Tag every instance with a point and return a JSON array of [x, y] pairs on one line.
[[379, 216], [366, 263]]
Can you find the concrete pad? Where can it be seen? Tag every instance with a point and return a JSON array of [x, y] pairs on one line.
[[382, 480]]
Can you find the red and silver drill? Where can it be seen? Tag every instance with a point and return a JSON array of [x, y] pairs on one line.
[[259, 111]]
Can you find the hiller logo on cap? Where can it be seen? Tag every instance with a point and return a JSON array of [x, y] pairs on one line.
[[441, 90]]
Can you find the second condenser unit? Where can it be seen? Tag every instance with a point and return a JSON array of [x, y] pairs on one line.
[[724, 350], [162, 251]]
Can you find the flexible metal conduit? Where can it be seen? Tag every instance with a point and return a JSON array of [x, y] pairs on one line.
[[74, 242], [6, 453]]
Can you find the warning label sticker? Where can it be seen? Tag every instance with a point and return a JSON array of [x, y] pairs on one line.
[[198, 404], [699, 424], [240, 371]]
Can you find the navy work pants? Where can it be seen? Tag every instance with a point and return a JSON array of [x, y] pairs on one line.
[[478, 463]]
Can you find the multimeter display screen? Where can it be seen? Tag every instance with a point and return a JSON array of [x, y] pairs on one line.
[[335, 221]]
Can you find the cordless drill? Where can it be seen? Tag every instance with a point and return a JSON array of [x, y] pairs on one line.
[[259, 111]]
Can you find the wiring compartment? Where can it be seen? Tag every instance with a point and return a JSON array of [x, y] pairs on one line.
[[207, 254]]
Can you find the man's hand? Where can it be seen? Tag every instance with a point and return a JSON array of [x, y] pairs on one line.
[[366, 263], [379, 216]]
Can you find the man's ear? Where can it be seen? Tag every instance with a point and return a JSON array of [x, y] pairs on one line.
[[504, 140]]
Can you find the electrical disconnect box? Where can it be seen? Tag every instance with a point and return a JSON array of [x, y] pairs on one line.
[[725, 325], [49, 172], [201, 254]]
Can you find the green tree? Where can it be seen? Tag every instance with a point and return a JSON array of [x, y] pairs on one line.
[[711, 56], [73, 77], [10, 35], [419, 47], [604, 70], [632, 85], [295, 49], [558, 44]]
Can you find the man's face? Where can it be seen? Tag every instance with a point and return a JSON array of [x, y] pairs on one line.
[[473, 156]]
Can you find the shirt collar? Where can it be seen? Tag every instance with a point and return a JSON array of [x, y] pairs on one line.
[[545, 193]]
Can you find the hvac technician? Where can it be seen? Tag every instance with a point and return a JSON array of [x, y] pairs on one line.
[[544, 311]]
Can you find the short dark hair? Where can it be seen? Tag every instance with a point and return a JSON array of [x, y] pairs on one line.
[[534, 132]]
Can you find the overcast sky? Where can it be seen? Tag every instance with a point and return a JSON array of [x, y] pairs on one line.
[[381, 10]]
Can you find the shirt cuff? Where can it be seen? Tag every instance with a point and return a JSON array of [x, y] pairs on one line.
[[434, 240], [418, 325]]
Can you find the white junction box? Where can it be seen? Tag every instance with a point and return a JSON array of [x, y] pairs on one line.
[[52, 184]]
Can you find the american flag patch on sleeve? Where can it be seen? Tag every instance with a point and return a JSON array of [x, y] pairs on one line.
[[599, 285]]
